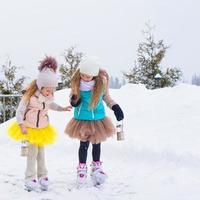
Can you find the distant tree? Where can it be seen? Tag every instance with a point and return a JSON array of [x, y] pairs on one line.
[[72, 60], [9, 84], [123, 82], [115, 83], [111, 82], [147, 66], [196, 79], [170, 77]]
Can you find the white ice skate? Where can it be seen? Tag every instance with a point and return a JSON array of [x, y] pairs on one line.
[[98, 176], [32, 185], [44, 183], [81, 174]]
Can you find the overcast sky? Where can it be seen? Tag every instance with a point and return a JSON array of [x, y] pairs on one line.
[[109, 29]]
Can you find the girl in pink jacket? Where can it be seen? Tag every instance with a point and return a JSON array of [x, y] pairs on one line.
[[33, 123]]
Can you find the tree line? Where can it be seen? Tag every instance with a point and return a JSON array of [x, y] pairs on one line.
[[147, 70]]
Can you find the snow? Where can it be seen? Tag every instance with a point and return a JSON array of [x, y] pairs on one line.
[[159, 158]]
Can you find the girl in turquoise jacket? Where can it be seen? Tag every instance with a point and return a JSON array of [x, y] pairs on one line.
[[89, 88]]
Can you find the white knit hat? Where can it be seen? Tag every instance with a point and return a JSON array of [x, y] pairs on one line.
[[90, 66], [47, 78], [47, 73]]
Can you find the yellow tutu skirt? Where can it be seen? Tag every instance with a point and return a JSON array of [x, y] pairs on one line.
[[36, 136]]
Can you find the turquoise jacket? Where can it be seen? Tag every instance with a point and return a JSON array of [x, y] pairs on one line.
[[83, 112]]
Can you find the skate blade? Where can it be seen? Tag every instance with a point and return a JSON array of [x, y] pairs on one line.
[[28, 189], [74, 187], [79, 185], [98, 182], [44, 188]]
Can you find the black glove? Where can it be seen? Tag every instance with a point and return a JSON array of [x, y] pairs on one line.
[[74, 102], [118, 112]]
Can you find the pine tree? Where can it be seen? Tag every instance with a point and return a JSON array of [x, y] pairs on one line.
[[72, 60], [123, 82], [9, 84], [149, 56], [115, 83]]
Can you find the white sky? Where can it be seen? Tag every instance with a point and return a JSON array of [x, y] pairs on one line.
[[109, 29]]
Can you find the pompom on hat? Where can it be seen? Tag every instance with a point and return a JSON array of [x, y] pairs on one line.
[[90, 66], [47, 73]]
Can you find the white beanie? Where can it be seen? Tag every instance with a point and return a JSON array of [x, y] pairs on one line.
[[47, 78], [89, 66]]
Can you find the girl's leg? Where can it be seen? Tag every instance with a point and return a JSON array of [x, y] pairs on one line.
[[96, 152], [83, 149], [31, 162], [41, 166], [42, 170], [97, 174], [82, 167]]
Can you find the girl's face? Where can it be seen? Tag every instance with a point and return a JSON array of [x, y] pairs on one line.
[[86, 77], [47, 91]]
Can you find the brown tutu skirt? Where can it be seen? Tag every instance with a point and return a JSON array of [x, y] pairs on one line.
[[94, 131]]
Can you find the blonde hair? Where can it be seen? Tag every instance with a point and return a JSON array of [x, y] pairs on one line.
[[97, 90], [30, 90]]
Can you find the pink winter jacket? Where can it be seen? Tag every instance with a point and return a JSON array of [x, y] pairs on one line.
[[33, 113]]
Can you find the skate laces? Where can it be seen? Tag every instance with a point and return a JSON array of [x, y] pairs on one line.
[[96, 167], [31, 181], [82, 170], [44, 178], [97, 163]]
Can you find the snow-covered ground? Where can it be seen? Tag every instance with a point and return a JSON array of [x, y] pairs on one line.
[[159, 159]]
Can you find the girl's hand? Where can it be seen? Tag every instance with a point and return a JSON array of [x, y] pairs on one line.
[[23, 129], [74, 101], [68, 108], [118, 112]]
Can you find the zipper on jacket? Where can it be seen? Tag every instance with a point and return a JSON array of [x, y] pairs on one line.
[[38, 116], [43, 105], [79, 110], [92, 113], [26, 114]]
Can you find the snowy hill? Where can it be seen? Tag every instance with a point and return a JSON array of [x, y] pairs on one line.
[[159, 159]]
